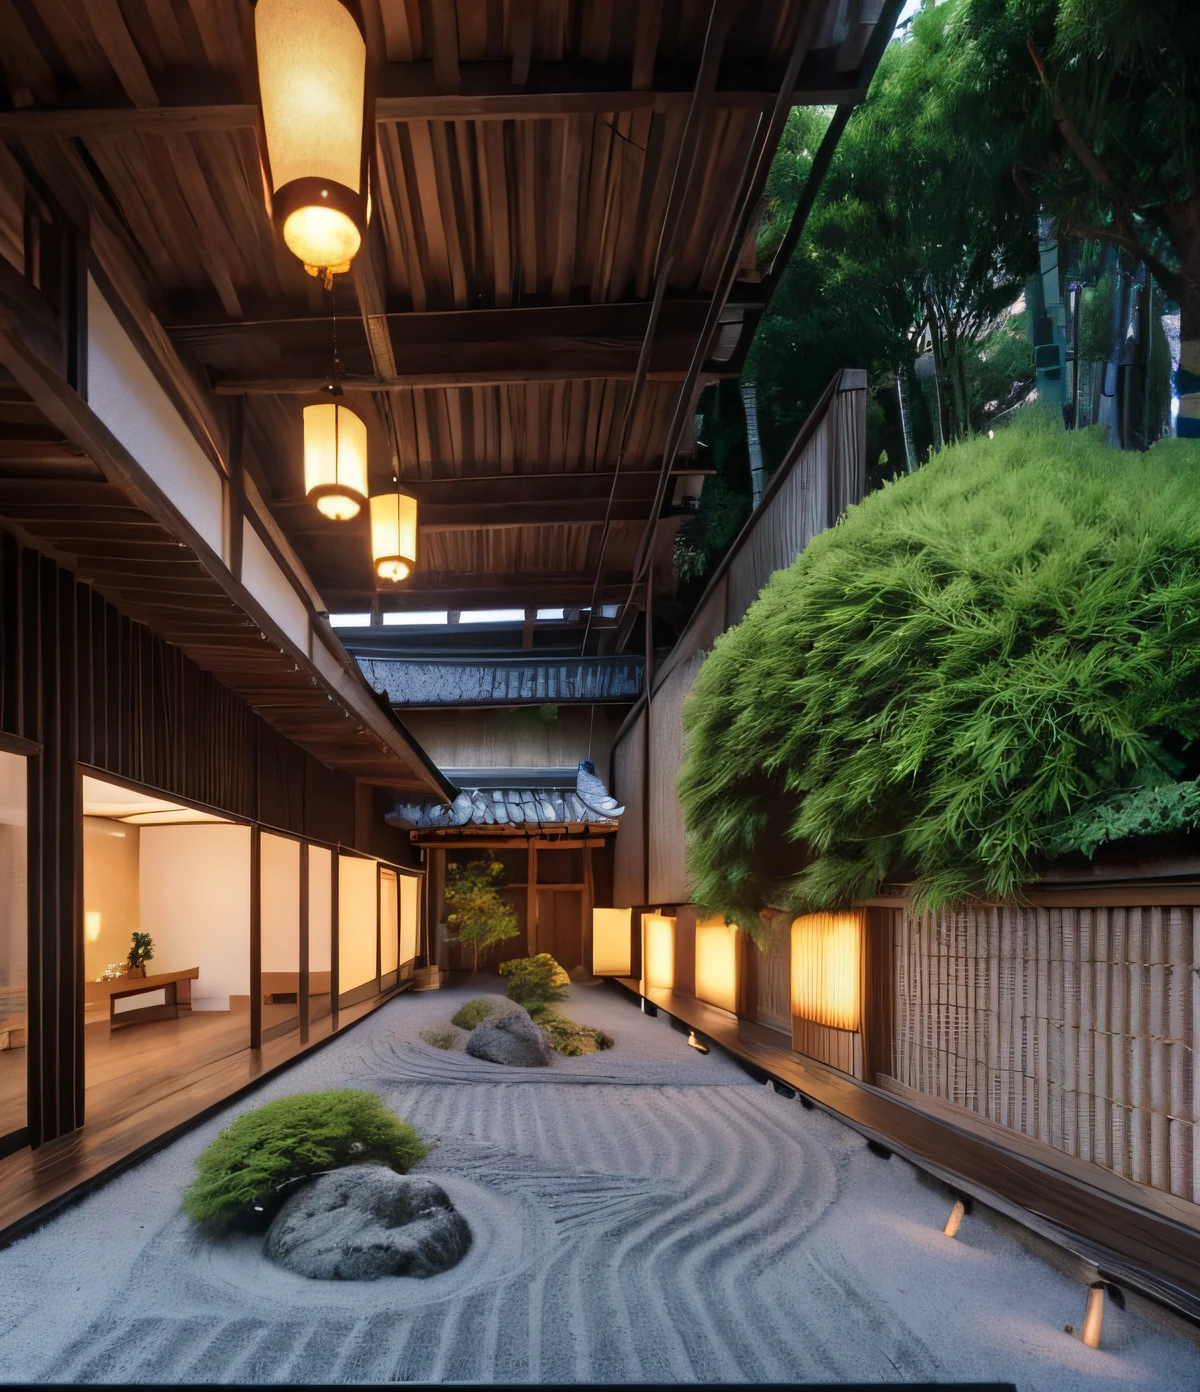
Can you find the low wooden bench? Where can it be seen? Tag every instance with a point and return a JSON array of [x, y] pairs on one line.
[[176, 986]]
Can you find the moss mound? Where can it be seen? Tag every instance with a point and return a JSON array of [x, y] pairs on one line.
[[535, 982], [444, 1038], [957, 681], [569, 1038], [468, 1015], [291, 1138]]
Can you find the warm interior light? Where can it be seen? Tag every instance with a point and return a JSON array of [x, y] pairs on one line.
[[394, 535], [716, 962], [335, 460], [658, 951], [611, 946], [312, 63], [826, 954], [92, 924]]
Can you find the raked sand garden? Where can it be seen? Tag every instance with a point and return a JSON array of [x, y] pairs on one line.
[[645, 1213]]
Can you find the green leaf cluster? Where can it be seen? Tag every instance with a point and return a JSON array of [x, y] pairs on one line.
[[975, 655], [535, 982], [289, 1139], [570, 1038], [469, 1014], [476, 912], [142, 949]]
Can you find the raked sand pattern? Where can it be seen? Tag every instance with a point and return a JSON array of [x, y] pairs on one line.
[[645, 1214]]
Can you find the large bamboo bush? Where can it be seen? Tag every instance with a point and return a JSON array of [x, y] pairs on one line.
[[991, 663]]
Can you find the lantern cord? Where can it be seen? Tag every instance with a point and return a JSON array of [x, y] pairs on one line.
[[335, 387]]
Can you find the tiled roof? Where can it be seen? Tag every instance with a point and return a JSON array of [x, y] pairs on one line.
[[589, 805], [407, 682]]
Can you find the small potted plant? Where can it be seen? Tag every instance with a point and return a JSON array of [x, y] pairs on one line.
[[140, 953]]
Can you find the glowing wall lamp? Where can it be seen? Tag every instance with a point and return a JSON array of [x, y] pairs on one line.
[[612, 949], [394, 535], [312, 80], [658, 951], [716, 962], [826, 968], [335, 460]]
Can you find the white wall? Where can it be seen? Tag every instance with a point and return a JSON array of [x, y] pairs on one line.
[[195, 904], [126, 396], [279, 879], [273, 590]]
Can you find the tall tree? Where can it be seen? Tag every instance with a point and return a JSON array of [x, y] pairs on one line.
[[1098, 102]]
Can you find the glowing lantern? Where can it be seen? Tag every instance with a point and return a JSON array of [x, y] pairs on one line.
[[312, 70], [394, 535], [826, 971], [335, 460], [611, 945], [658, 951], [716, 962]]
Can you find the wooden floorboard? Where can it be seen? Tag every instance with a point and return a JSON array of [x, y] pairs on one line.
[[1131, 1243], [146, 1086]]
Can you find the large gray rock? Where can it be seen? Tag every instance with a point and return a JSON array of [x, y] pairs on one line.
[[366, 1221], [513, 1039]]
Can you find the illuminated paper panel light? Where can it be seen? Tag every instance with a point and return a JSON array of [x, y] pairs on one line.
[[394, 535], [335, 460], [658, 951], [826, 969], [312, 64], [611, 944], [716, 963]]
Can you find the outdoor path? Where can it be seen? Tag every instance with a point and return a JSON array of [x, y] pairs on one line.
[[645, 1214]]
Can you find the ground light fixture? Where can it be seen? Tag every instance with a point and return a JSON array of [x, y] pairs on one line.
[[317, 110], [394, 534], [335, 460]]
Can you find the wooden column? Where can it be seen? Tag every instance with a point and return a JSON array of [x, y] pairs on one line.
[[334, 930], [256, 994], [531, 900], [589, 901], [303, 994]]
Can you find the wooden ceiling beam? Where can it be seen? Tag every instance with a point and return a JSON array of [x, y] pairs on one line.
[[484, 91]]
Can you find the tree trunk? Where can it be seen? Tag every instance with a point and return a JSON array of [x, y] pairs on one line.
[[910, 455], [1183, 219]]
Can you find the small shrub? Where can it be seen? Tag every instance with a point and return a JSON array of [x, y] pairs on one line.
[[444, 1038], [290, 1138], [535, 982], [476, 913], [467, 1016], [570, 1038], [142, 949]]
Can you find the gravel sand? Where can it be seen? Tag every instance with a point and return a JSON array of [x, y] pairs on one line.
[[643, 1214]]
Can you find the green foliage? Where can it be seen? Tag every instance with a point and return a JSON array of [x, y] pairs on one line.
[[1096, 319], [977, 653], [142, 950], [569, 1038], [535, 982], [291, 1138], [441, 1038], [476, 913], [1002, 369], [1156, 811], [468, 1015], [1106, 136]]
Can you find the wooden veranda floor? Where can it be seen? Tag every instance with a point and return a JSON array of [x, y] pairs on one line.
[[147, 1085]]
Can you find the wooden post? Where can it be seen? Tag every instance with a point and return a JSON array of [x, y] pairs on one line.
[[334, 933], [256, 1000], [531, 900], [589, 902], [303, 993]]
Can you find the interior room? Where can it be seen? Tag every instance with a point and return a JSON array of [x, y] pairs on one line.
[[13, 943], [181, 877]]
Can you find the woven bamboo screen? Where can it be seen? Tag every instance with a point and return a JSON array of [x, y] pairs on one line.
[[1074, 1026]]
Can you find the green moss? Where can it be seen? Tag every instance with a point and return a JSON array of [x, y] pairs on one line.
[[443, 1038], [468, 1015], [570, 1038], [535, 981], [977, 656], [290, 1138]]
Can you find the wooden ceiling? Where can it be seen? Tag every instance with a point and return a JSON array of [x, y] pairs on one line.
[[561, 255]]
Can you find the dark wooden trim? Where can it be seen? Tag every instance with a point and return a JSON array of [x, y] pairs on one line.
[[877, 994], [303, 998], [256, 996], [334, 938], [14, 744], [1132, 1245]]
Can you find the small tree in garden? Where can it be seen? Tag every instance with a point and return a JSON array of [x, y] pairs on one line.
[[476, 914]]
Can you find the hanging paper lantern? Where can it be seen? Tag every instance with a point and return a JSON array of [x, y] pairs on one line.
[[394, 535], [335, 460]]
